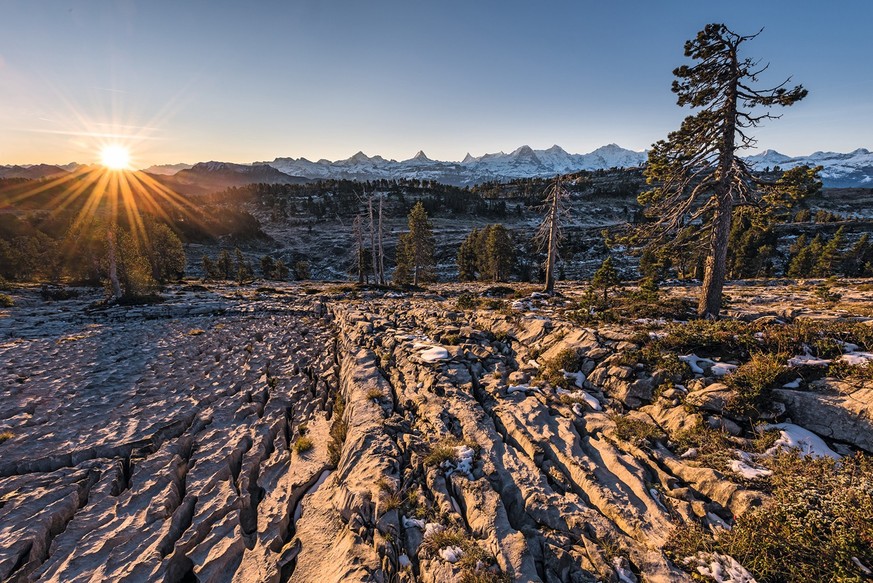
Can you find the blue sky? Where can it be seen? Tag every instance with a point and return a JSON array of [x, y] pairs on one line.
[[244, 81]]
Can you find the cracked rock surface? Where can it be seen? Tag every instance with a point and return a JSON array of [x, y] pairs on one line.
[[275, 435]]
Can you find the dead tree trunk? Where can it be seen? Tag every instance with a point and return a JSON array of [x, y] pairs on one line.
[[381, 249], [552, 249], [373, 240], [359, 237]]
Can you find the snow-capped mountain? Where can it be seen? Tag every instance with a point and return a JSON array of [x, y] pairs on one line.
[[839, 170], [854, 169], [524, 162]]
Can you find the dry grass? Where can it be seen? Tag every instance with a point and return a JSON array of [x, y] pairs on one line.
[[302, 445]]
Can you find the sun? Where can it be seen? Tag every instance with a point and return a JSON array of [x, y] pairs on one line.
[[115, 157]]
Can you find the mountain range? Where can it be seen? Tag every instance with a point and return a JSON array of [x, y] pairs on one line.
[[854, 169]]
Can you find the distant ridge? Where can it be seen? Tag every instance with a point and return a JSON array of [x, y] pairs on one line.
[[853, 169]]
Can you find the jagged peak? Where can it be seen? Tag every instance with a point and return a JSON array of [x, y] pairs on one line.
[[358, 158]]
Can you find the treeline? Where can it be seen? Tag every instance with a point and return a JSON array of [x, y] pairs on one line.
[[240, 269], [145, 257], [822, 257]]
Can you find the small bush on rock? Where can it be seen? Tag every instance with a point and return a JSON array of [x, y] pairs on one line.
[[753, 381], [635, 431]]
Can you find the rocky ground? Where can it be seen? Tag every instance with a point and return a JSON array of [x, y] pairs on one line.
[[326, 433]]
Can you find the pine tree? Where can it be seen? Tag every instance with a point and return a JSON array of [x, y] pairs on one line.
[[243, 268], [223, 265], [605, 278], [828, 261], [804, 257], [467, 257], [268, 267], [858, 257], [499, 253], [696, 172], [415, 260], [280, 270], [208, 268], [164, 251]]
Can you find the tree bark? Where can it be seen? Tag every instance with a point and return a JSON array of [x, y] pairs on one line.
[[716, 260], [553, 240]]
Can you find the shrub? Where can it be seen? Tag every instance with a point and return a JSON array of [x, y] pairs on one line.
[[444, 450], [569, 360], [476, 564], [466, 301], [374, 394], [851, 372], [753, 381], [635, 431], [6, 301], [815, 524], [56, 293], [302, 444], [713, 446], [6, 436]]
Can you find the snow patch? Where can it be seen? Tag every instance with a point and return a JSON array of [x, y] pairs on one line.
[[432, 354], [698, 364], [719, 568], [749, 472], [796, 437], [807, 360], [452, 554], [857, 358]]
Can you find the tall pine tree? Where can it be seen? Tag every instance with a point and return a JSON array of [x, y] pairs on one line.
[[696, 172], [415, 261]]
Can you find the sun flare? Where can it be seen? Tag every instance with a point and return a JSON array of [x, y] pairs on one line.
[[115, 157]]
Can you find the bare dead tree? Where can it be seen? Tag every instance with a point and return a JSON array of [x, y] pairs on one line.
[[373, 251], [379, 242], [358, 232], [550, 232]]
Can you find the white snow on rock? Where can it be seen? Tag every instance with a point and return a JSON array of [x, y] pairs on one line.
[[432, 353], [796, 437], [720, 568], [795, 384], [464, 463], [807, 360], [432, 528], [577, 377], [749, 472], [452, 554], [856, 358], [625, 575], [589, 400], [697, 364]]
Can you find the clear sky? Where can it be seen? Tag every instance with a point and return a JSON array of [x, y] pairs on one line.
[[194, 80]]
